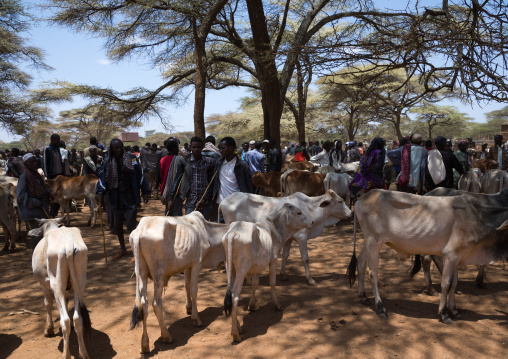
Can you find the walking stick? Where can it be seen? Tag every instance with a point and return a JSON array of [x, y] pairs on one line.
[[102, 229], [176, 193]]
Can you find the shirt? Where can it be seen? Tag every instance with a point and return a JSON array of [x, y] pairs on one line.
[[500, 157], [199, 179], [256, 161], [321, 158], [165, 163], [57, 162], [227, 178]]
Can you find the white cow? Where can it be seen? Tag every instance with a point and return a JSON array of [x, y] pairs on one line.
[[60, 259], [165, 246], [339, 183], [349, 167], [325, 210], [460, 229], [494, 181], [250, 248]]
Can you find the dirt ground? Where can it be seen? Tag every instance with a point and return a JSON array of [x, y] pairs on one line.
[[327, 321]]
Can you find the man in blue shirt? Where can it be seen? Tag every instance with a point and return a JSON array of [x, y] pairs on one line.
[[255, 159]]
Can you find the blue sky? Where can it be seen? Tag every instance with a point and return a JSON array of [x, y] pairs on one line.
[[80, 59]]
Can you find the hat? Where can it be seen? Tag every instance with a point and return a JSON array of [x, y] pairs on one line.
[[266, 141], [28, 156], [252, 142], [417, 138], [292, 144]]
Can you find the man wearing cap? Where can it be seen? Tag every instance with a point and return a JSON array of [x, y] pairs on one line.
[[497, 153], [255, 159], [32, 196]]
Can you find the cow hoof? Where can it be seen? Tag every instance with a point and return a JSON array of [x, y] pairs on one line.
[[456, 315], [49, 332], [312, 283], [237, 338], [167, 340], [446, 319], [188, 310], [197, 322], [6, 248], [145, 350], [253, 308], [284, 277], [278, 307], [383, 315]]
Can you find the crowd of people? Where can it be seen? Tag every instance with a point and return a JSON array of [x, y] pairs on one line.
[[201, 174]]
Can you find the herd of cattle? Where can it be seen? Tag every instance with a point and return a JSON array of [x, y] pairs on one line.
[[451, 227]]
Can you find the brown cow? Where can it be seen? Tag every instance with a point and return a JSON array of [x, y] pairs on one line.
[[65, 189], [299, 166], [270, 182], [484, 165], [310, 184], [8, 217]]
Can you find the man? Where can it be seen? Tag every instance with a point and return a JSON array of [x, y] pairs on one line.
[[90, 163], [483, 153], [450, 162], [65, 159], [38, 157], [185, 149], [323, 158], [210, 150], [193, 175], [52, 165], [255, 159], [15, 166], [301, 153], [463, 156], [337, 155], [32, 196], [93, 142], [395, 156], [354, 153], [497, 153], [122, 178], [150, 158], [168, 170], [75, 162], [412, 166], [245, 149], [232, 176], [274, 157]]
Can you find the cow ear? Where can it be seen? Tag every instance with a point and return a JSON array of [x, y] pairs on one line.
[[37, 232], [324, 204], [503, 226], [60, 220]]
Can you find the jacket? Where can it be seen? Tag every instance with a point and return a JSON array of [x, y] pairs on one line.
[[184, 175], [450, 162], [138, 183], [47, 162], [493, 155], [30, 208], [242, 174], [275, 160]]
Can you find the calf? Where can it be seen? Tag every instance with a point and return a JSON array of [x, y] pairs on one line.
[[461, 230], [470, 182], [60, 260], [165, 246], [250, 248], [494, 181], [65, 189], [270, 182], [310, 184]]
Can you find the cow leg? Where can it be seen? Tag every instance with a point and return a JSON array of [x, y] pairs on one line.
[[142, 281], [6, 235], [285, 254], [450, 266], [252, 302], [188, 305], [304, 253], [78, 327], [373, 263], [93, 211], [48, 303], [451, 296], [194, 295], [479, 277], [157, 308], [426, 262], [236, 330], [362, 266], [65, 321], [273, 283]]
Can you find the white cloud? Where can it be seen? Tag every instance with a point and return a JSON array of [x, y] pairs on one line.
[[103, 62]]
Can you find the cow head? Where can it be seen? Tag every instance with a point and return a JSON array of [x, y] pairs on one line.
[[335, 205], [44, 225], [257, 179]]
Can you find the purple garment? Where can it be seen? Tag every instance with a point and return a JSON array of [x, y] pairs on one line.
[[370, 173]]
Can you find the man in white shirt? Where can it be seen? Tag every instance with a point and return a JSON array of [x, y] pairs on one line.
[[233, 175], [323, 157]]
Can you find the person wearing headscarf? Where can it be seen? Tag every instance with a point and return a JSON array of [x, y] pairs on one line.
[[122, 178], [370, 172], [168, 170], [91, 162], [32, 196]]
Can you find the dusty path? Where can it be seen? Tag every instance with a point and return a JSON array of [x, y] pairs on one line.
[[327, 321]]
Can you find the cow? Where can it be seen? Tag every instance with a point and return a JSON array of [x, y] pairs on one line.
[[349, 167], [484, 165], [59, 263], [299, 166], [325, 210], [495, 200], [470, 182], [310, 184], [250, 248], [270, 182], [165, 246], [65, 189], [494, 181], [8, 217], [339, 183], [455, 228]]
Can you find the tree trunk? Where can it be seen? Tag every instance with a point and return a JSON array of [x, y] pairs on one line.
[[264, 61], [302, 103], [350, 128], [396, 124], [199, 84]]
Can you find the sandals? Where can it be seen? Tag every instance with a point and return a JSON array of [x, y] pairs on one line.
[[120, 254]]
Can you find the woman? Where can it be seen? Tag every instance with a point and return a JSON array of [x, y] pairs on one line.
[[370, 173]]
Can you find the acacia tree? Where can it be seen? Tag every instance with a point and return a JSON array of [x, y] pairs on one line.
[[441, 119], [18, 109]]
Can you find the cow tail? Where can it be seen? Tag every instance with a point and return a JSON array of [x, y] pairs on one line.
[[351, 268], [78, 285], [417, 265], [468, 182], [138, 310], [228, 299]]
